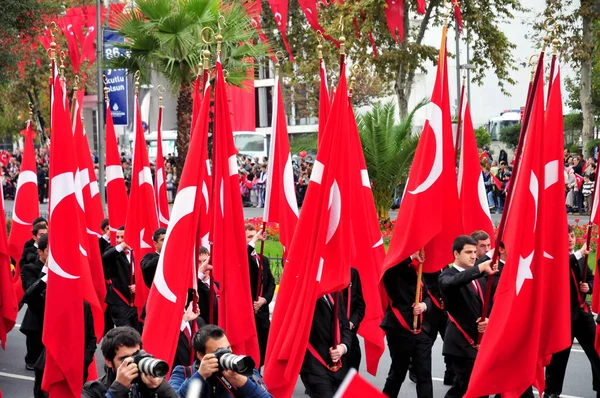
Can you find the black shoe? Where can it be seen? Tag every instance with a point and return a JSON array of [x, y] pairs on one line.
[[412, 376], [448, 378], [29, 366]]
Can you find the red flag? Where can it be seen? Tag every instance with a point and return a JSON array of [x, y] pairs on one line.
[[280, 13], [87, 186], [505, 348], [421, 6], [68, 26], [394, 15], [309, 7], [497, 182], [196, 102], [324, 103], [458, 15], [319, 257], [426, 220], [474, 209], [9, 306], [369, 243], [69, 278], [242, 103], [254, 10], [88, 48], [578, 181], [142, 218], [26, 207], [280, 200], [355, 386], [229, 253], [116, 191], [167, 297], [160, 186]]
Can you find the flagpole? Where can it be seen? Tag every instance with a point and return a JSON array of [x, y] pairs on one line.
[[460, 108], [418, 292]]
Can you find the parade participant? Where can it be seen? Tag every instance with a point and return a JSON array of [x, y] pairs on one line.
[[204, 288], [355, 309], [582, 322], [484, 243], [119, 271], [267, 288], [406, 343], [30, 249], [463, 288], [150, 260], [104, 240], [123, 378], [325, 365], [33, 321]]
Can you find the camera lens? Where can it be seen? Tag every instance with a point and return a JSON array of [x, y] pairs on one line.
[[153, 367]]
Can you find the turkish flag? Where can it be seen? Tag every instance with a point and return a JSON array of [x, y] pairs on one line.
[[69, 278], [309, 7], [242, 103], [427, 220], [280, 199], [9, 305], [280, 13], [497, 182], [160, 186], [142, 218], [196, 100], [69, 25], [320, 255], [175, 268], [474, 209], [88, 49], [324, 104], [25, 209], [394, 15], [93, 214], [254, 10], [369, 243], [229, 253], [458, 15], [116, 191], [578, 181], [421, 6], [355, 386], [524, 286]]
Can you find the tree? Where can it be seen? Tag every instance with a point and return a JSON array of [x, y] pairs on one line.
[[396, 64], [510, 135], [482, 136], [164, 36], [576, 25], [389, 149]]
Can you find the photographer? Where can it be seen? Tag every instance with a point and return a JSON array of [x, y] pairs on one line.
[[121, 348], [210, 343]]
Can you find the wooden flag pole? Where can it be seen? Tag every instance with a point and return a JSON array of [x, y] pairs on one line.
[[259, 283], [418, 290]]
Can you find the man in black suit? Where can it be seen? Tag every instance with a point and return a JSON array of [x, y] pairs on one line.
[[463, 289], [325, 366], [150, 260], [30, 249], [355, 311], [119, 271], [404, 341], [32, 324], [204, 275], [266, 288], [582, 323], [104, 240]]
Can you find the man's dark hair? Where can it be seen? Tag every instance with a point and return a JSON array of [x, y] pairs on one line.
[[460, 243], [104, 224], [122, 336], [204, 250], [43, 242], [121, 228], [158, 233], [39, 220], [37, 227], [480, 235], [250, 227], [201, 337], [570, 229]]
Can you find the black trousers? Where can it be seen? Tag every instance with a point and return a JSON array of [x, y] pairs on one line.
[[354, 355], [323, 385], [262, 330], [33, 341], [405, 347], [123, 315], [108, 321], [462, 367], [584, 329]]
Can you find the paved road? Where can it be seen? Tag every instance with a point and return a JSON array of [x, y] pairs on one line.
[[17, 382]]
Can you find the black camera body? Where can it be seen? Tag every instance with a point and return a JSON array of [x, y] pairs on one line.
[[149, 365], [241, 364]]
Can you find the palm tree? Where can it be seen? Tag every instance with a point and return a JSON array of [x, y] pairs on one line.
[[389, 149], [164, 36]]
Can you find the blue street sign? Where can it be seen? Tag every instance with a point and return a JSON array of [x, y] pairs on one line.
[[116, 79]]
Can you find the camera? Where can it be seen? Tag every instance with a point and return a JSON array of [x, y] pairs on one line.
[[149, 365], [241, 364]]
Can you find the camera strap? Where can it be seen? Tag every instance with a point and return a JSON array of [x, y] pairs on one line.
[[228, 386]]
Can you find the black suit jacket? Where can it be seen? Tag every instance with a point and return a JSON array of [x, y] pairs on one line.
[[183, 351], [29, 254], [464, 305], [576, 268], [34, 316], [104, 245], [400, 284], [149, 264], [118, 269], [357, 302], [268, 285], [203, 302], [321, 337]]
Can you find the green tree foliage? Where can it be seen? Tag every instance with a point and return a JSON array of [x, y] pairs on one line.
[[396, 64], [482, 136], [510, 135], [389, 148]]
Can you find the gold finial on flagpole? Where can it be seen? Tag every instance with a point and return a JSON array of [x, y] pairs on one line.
[[356, 69], [550, 28], [342, 37], [136, 76], [533, 60], [320, 46], [62, 64], [220, 34], [53, 28], [280, 56], [161, 90], [449, 8]]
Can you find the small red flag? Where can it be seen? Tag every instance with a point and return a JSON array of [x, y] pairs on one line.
[[421, 6], [497, 183], [280, 13], [394, 15], [355, 386]]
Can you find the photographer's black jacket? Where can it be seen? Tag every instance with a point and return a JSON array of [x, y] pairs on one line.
[[108, 387]]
